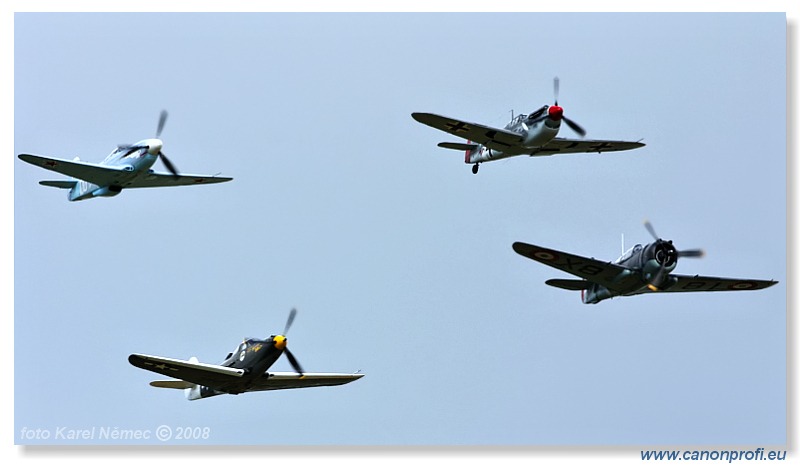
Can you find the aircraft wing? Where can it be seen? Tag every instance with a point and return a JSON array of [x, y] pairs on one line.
[[282, 380], [157, 179], [711, 284], [610, 275], [567, 146], [203, 374], [492, 138], [100, 175]]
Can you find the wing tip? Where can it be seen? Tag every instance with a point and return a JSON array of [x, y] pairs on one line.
[[520, 247], [136, 359], [29, 158]]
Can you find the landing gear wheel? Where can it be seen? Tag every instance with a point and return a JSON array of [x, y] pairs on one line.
[[475, 169]]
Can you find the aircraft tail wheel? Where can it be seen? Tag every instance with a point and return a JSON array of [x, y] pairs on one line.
[[475, 168]]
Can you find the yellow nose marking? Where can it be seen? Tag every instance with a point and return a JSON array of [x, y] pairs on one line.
[[280, 342]]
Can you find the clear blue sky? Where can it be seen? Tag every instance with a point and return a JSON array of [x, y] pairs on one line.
[[398, 259]]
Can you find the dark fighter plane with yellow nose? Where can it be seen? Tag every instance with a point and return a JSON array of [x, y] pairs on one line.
[[244, 370]]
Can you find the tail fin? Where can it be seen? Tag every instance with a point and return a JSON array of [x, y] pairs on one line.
[[200, 392], [193, 392]]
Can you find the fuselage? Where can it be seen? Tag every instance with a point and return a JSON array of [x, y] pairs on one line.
[[536, 134], [255, 356], [134, 160], [650, 264]]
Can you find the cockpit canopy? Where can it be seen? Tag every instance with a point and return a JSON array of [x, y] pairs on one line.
[[248, 341], [516, 121], [631, 251]]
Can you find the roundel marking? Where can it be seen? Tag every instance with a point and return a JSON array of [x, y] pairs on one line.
[[742, 285], [241, 355], [545, 255]]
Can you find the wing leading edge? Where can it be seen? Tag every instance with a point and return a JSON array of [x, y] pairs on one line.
[[102, 175], [570, 146], [609, 275], [93, 173], [711, 284], [283, 380], [493, 138], [194, 372], [156, 179]]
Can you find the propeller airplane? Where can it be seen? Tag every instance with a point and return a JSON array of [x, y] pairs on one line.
[[534, 134], [641, 269], [128, 166], [244, 370]]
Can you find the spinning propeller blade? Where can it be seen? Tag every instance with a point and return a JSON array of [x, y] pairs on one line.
[[289, 321], [649, 227], [657, 279], [289, 355], [575, 127], [293, 361], [558, 112], [659, 276], [691, 253], [694, 253], [168, 164], [556, 83], [161, 120]]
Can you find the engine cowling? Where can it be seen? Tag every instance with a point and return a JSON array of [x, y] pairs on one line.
[[660, 259], [541, 129], [666, 254]]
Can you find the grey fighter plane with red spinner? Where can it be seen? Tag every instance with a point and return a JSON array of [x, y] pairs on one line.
[[128, 166], [245, 369], [534, 134], [641, 269]]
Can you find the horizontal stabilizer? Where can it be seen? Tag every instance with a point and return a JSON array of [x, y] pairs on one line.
[[458, 146], [569, 284], [172, 384], [59, 183]]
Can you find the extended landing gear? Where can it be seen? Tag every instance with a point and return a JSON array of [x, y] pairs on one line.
[[475, 168]]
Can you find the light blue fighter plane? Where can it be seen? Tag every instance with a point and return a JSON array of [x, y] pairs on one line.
[[128, 166]]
